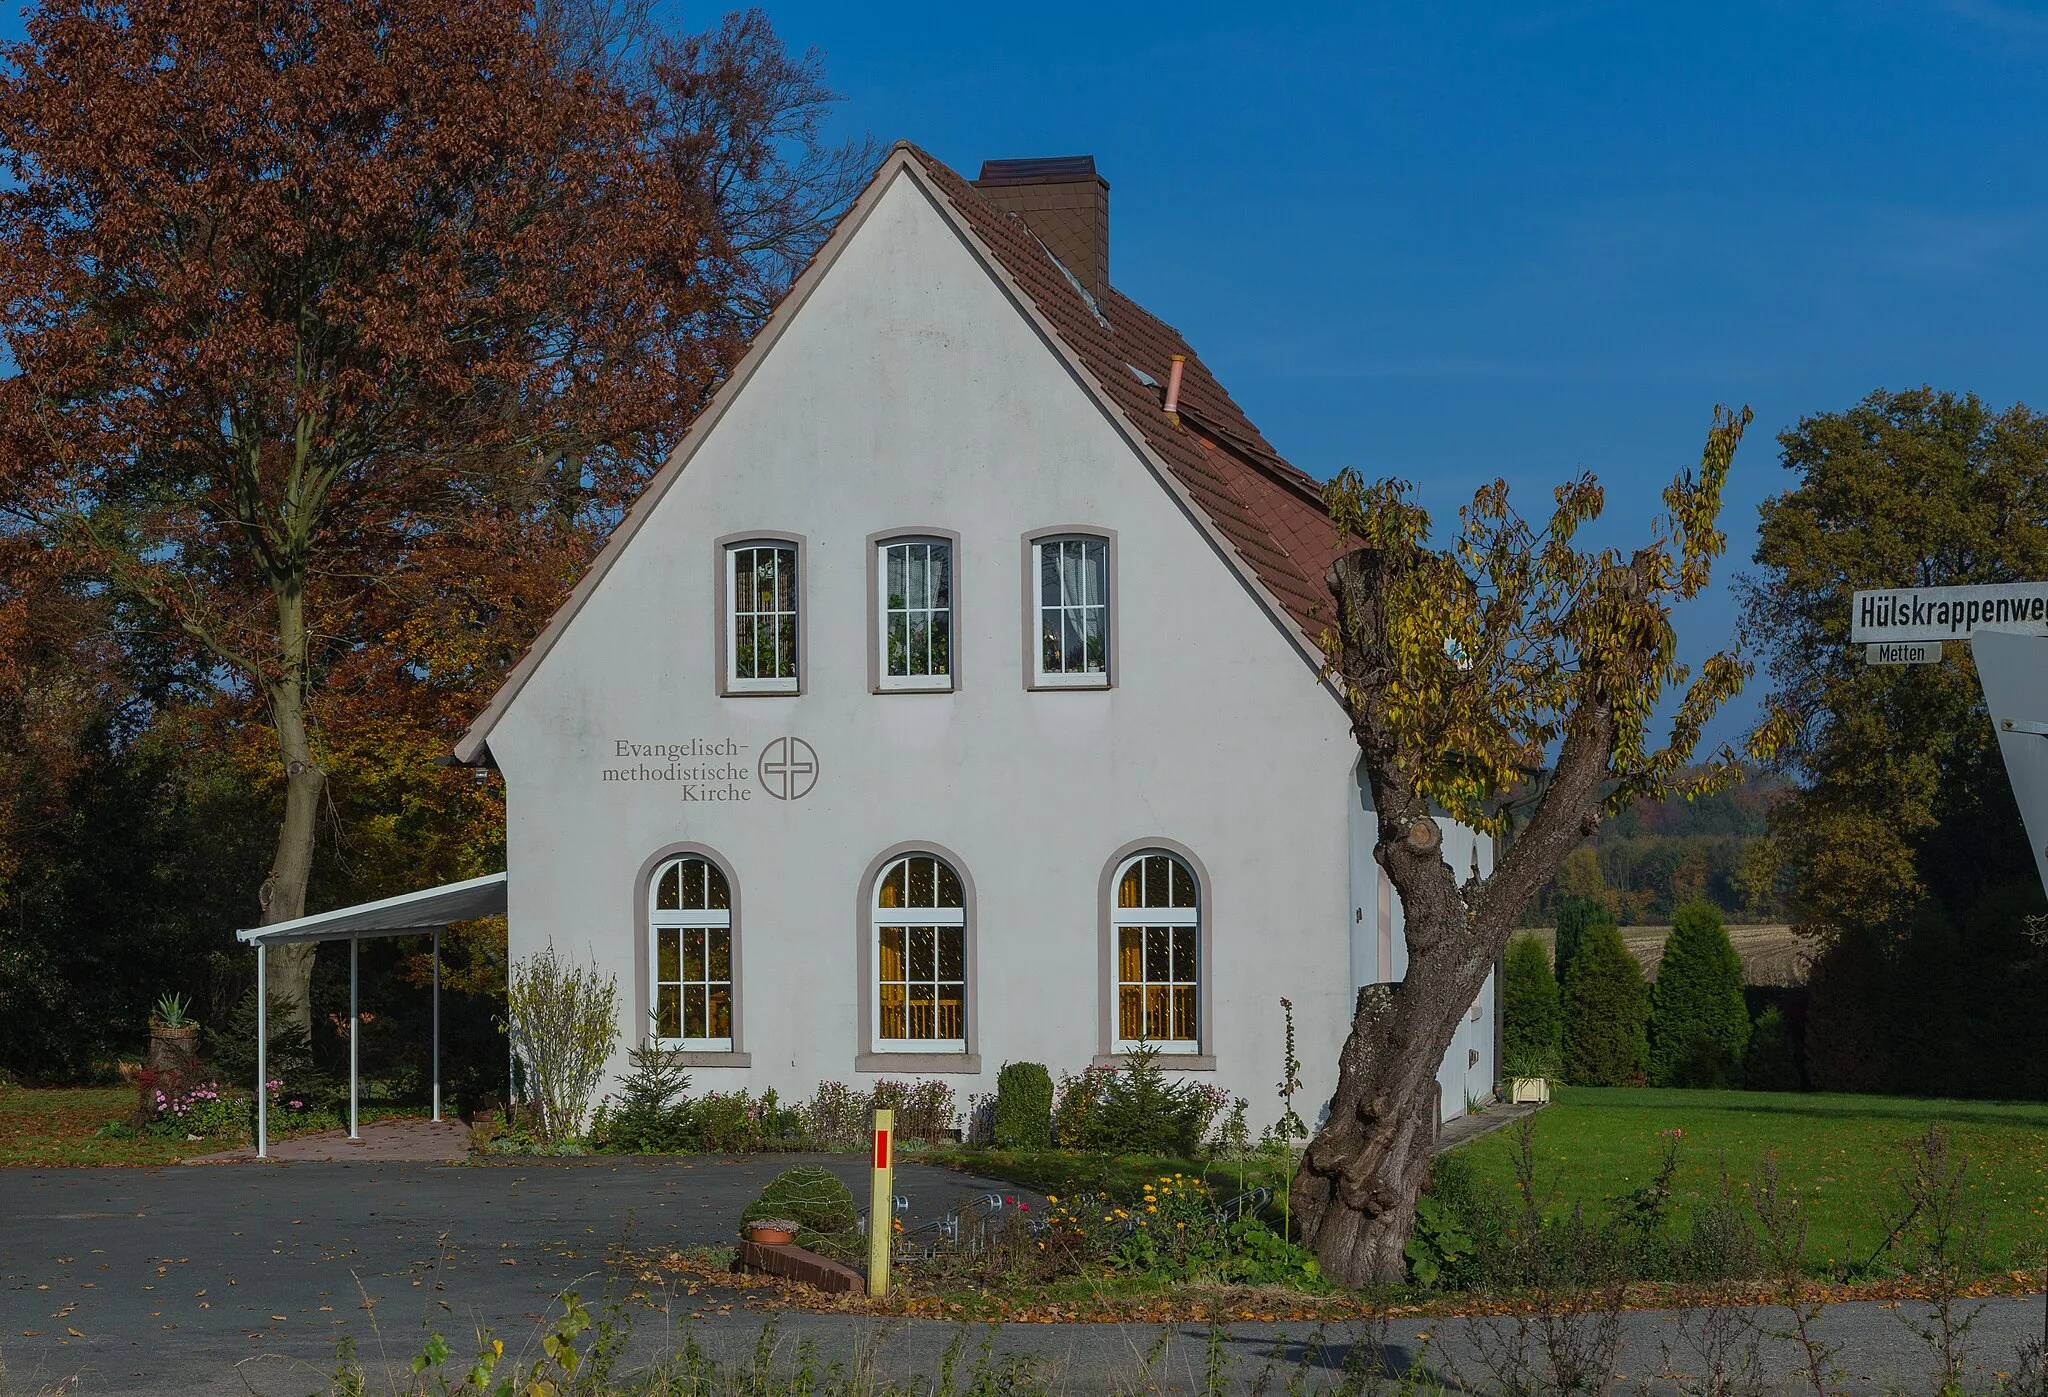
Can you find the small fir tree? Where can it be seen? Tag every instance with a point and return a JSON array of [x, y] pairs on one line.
[[1699, 1022], [1769, 1064], [1575, 916], [1606, 1013], [1531, 1010]]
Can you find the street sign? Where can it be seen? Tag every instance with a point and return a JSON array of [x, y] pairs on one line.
[[1903, 652], [2014, 669], [1944, 613]]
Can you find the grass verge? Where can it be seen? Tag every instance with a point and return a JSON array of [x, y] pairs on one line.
[[1840, 1152]]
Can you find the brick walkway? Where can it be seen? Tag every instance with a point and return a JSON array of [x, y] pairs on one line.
[[396, 1138]]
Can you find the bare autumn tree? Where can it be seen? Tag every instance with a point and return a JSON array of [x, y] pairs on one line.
[[1463, 668], [292, 288]]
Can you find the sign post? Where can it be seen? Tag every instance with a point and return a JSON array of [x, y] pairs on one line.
[[882, 1204]]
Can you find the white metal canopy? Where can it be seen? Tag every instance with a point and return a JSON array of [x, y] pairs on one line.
[[424, 912], [408, 914]]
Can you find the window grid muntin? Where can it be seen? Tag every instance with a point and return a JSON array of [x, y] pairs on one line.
[[920, 949], [1155, 921], [1072, 590], [903, 664], [690, 958], [763, 598]]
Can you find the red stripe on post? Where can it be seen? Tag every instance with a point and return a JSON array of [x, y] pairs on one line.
[[881, 1149]]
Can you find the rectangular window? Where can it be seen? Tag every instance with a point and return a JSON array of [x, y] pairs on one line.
[[1073, 612], [761, 635], [917, 614], [923, 987], [693, 986]]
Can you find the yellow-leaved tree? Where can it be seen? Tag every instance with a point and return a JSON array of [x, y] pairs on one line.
[[1510, 681]]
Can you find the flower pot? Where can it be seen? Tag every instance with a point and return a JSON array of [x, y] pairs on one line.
[[771, 1232], [1530, 1089]]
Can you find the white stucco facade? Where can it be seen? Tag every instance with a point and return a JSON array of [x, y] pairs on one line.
[[910, 393]]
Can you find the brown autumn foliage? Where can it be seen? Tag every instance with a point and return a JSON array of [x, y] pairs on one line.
[[341, 328]]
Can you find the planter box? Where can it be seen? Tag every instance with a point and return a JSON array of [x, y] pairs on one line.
[[1530, 1089]]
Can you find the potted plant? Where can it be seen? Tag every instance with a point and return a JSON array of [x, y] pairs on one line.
[[771, 1232], [173, 1040]]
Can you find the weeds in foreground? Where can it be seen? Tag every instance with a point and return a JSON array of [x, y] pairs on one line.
[[1944, 1227], [1785, 1229]]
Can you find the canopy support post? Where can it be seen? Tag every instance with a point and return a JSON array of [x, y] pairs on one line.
[[437, 1025], [354, 1021], [262, 1053]]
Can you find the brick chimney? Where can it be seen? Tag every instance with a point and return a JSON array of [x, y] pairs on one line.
[[1063, 201]]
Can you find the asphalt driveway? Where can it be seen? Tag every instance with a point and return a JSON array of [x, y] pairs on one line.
[[165, 1279], [242, 1278]]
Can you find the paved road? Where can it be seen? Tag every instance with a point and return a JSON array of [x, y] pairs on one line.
[[150, 1280], [240, 1278]]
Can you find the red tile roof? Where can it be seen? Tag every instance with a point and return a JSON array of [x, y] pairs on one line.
[[1268, 511]]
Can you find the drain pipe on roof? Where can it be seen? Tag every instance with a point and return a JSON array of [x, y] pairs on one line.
[[1173, 387]]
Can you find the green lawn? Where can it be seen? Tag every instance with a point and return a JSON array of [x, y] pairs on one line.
[[1841, 1153]]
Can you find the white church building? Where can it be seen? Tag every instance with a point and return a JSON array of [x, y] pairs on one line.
[[951, 697]]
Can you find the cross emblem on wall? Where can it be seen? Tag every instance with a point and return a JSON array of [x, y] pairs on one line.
[[788, 768]]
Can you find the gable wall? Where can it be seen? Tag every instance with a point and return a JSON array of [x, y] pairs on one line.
[[908, 391]]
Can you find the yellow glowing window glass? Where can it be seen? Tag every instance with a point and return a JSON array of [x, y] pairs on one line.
[[920, 922], [1156, 923], [690, 923]]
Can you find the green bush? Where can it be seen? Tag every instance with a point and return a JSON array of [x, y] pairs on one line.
[[1575, 917], [653, 1114], [1023, 1107], [1532, 1014], [1699, 1022], [1606, 1013], [812, 1197], [1134, 1109], [924, 1109], [1769, 1064]]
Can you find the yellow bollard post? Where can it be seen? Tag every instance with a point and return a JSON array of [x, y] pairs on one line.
[[882, 1204]]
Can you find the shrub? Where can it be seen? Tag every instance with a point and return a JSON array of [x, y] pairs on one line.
[[837, 1118], [1023, 1107], [924, 1110], [1606, 1013], [1134, 1109], [289, 1060], [1575, 917], [208, 1111], [653, 1114], [1770, 1064], [564, 1020], [820, 1205], [1699, 1022], [1534, 1024]]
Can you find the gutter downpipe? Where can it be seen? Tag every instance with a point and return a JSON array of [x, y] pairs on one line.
[[354, 1019]]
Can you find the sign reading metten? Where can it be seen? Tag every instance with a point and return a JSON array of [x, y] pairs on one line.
[[1945, 613]]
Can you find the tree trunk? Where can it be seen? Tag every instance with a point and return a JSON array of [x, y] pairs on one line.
[[1360, 1177], [283, 895]]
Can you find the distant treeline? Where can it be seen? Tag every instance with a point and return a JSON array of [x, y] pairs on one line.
[[1656, 857]]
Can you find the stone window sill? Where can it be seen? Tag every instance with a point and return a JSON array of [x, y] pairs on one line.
[[968, 1064]]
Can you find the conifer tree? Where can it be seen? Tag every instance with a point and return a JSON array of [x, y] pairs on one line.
[[1769, 1064], [1574, 916], [1606, 1013], [1533, 1017], [1699, 1021]]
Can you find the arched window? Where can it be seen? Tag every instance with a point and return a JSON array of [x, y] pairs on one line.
[[920, 928], [689, 919], [1155, 922]]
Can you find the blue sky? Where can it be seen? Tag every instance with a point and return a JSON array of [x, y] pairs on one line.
[[1455, 242], [1449, 242]]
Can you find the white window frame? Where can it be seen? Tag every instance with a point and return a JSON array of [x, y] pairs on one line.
[[735, 682], [916, 683], [1041, 677], [681, 921], [1182, 920], [882, 919]]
